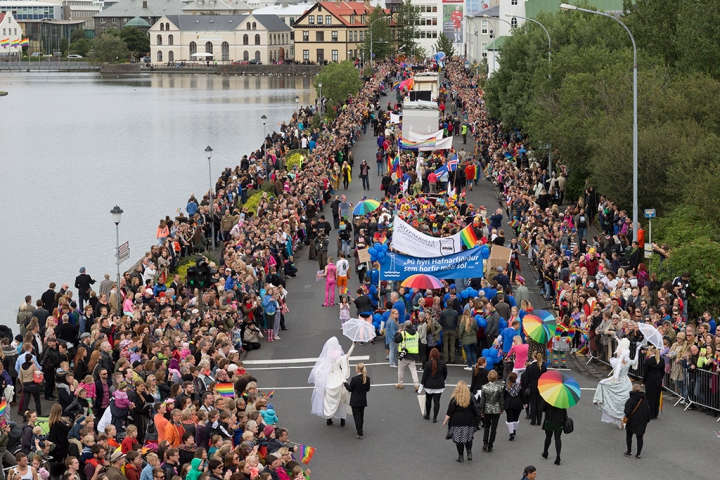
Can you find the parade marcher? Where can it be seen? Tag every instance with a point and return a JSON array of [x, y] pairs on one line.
[[408, 348], [637, 414], [613, 392], [491, 407], [461, 420], [329, 375], [529, 383], [358, 387], [433, 381], [554, 423], [653, 376]]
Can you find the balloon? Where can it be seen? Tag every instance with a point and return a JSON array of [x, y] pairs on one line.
[[502, 325], [482, 323], [407, 297], [384, 247], [485, 252], [377, 246], [486, 352], [464, 294], [473, 293], [380, 255], [490, 364], [377, 317], [372, 251], [478, 318], [446, 297]]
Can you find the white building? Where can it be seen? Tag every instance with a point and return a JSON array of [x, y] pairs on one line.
[[228, 38], [215, 7], [10, 32], [288, 12]]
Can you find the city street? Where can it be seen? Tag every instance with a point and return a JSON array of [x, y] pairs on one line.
[[399, 443]]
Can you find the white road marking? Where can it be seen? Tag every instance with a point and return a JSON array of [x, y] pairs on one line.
[[295, 360], [407, 385]]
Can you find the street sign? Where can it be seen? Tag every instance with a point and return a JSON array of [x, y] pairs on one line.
[[650, 213], [648, 249], [123, 252]]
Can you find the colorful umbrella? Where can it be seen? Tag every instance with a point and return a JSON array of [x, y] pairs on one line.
[[422, 282], [558, 388], [534, 328], [366, 206]]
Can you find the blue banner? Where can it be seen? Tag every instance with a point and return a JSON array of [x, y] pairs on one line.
[[467, 264]]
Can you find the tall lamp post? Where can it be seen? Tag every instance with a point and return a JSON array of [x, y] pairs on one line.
[[565, 6], [116, 213], [297, 105], [546, 33], [372, 57], [208, 152], [264, 119], [321, 102]]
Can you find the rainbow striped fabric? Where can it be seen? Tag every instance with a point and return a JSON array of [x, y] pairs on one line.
[[25, 42], [306, 453], [225, 389], [3, 408], [15, 42], [270, 394], [514, 223], [4, 42], [468, 237]]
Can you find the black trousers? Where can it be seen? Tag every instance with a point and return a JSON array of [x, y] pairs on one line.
[[34, 390], [429, 397], [491, 423], [558, 442], [536, 409], [49, 383], [628, 438], [359, 417]]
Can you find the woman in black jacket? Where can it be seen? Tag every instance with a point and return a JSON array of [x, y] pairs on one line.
[[529, 382], [58, 432], [638, 413], [461, 419], [553, 426], [358, 387], [514, 402], [433, 381], [653, 374], [479, 377]]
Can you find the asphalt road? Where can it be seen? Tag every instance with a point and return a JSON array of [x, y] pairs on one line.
[[398, 443]]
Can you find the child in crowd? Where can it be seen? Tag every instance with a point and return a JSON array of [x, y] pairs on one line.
[[130, 440], [268, 415], [88, 384], [344, 309], [88, 442], [217, 442], [110, 432], [121, 396]]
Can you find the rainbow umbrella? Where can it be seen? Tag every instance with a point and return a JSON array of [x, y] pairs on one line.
[[535, 328], [366, 206], [559, 389], [422, 282]]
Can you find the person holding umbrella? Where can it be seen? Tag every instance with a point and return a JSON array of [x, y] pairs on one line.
[[638, 414], [560, 392], [653, 374], [554, 423]]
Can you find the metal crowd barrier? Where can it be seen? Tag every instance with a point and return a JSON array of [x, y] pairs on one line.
[[702, 388]]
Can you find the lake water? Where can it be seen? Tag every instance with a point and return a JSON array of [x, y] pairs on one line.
[[74, 145]]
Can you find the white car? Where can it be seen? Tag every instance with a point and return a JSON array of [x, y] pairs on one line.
[[74, 56]]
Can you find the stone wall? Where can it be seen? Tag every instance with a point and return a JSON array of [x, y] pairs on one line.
[[120, 68], [286, 69]]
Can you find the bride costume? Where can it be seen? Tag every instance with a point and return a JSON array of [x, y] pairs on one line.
[[332, 369], [612, 393]]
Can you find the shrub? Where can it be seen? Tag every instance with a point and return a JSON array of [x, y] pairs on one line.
[[252, 202], [295, 160]]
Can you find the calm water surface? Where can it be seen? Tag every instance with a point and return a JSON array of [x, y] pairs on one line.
[[74, 145]]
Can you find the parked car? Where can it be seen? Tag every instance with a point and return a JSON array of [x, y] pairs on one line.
[[37, 54], [74, 55], [255, 62], [242, 62]]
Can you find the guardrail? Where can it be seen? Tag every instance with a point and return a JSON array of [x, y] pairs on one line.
[[48, 66]]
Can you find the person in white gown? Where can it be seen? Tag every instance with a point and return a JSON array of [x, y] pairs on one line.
[[612, 393], [332, 369]]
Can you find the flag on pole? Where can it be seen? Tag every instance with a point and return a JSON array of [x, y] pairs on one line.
[[25, 42], [661, 401], [306, 453], [15, 42], [269, 394], [3, 408], [453, 163], [4, 42], [468, 237], [225, 389]]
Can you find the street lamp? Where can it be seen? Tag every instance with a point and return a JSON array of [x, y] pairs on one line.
[[512, 27], [208, 152], [116, 213], [565, 6], [297, 105], [264, 119], [372, 57], [477, 54], [321, 102], [546, 33]]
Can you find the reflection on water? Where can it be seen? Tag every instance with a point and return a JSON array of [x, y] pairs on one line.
[[75, 144]]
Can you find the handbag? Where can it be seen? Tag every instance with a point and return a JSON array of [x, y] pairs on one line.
[[569, 426], [38, 377], [626, 417]]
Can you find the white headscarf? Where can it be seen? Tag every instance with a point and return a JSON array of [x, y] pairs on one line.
[[331, 352]]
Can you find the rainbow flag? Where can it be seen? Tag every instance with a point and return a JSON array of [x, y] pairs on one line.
[[269, 394], [4, 42], [225, 389], [514, 223], [15, 42], [306, 453], [25, 42], [395, 85], [3, 407], [468, 237], [406, 144]]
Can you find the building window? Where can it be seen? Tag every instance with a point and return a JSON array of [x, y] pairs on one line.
[[159, 39], [306, 55], [513, 2], [334, 55], [320, 55], [352, 19], [193, 48], [162, 27], [292, 35], [306, 36], [247, 26], [484, 27], [319, 36], [114, 20], [225, 51], [257, 39], [320, 20], [167, 27], [102, 20], [171, 56], [257, 54], [254, 26], [513, 22], [246, 40], [208, 47], [246, 55], [328, 20], [361, 36], [292, 20], [159, 57], [170, 40], [483, 49], [334, 36], [362, 19], [311, 19]]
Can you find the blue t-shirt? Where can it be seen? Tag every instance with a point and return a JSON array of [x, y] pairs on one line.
[[507, 336], [400, 307]]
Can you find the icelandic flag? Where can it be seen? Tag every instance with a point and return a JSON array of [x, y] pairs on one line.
[[453, 163], [441, 171]]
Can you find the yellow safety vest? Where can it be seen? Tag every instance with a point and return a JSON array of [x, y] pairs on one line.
[[410, 342]]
